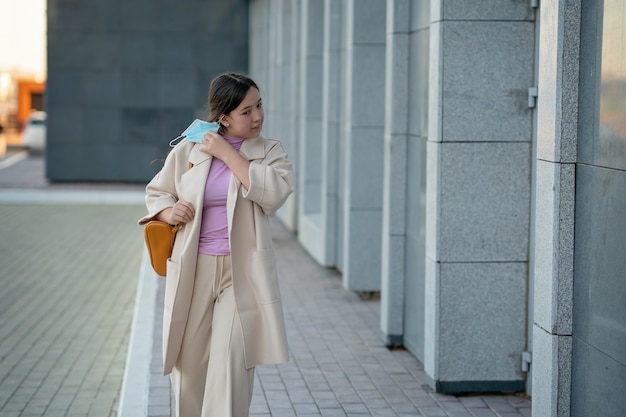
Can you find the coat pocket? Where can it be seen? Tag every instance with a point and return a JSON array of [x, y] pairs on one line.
[[171, 283], [263, 276]]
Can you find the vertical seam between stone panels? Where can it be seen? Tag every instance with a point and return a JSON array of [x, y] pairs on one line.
[[566, 233]]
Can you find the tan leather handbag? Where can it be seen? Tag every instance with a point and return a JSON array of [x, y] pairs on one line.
[[159, 237]]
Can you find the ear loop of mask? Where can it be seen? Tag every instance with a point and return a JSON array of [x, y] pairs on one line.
[[176, 141]]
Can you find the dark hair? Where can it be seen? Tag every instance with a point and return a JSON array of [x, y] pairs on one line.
[[226, 92]]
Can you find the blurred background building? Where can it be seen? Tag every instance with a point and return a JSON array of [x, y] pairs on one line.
[[126, 77], [464, 159]]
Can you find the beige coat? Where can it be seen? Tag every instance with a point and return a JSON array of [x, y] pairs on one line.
[[255, 280]]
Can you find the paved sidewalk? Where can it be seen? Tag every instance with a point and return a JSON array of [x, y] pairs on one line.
[[69, 262], [68, 278], [67, 326]]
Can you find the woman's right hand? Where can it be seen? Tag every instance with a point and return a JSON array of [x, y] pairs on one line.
[[181, 212]]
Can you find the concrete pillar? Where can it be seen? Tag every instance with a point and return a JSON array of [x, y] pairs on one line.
[[397, 108], [415, 259], [273, 65], [331, 129], [363, 139], [478, 194], [283, 78], [260, 44], [310, 121], [319, 228], [557, 135]]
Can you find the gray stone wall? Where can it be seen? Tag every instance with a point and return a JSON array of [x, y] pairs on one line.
[[478, 186], [493, 230], [126, 76], [579, 335]]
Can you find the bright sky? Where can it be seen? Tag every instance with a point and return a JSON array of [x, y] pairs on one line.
[[23, 36]]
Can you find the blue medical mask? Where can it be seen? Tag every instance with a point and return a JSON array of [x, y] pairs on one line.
[[196, 131]]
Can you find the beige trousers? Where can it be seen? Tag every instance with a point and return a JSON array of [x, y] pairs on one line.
[[210, 378]]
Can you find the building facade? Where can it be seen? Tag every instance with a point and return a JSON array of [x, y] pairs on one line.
[[466, 159]]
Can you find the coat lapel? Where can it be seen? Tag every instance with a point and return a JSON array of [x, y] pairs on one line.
[[197, 157], [193, 181], [251, 149]]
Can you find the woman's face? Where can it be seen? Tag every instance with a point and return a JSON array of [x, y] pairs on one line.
[[246, 120]]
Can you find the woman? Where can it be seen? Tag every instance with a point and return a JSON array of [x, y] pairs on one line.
[[223, 314]]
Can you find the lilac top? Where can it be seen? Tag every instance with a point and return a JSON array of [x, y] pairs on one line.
[[214, 228]]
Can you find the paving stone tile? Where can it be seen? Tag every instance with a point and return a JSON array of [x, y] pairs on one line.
[[432, 412], [482, 412], [300, 396], [472, 401], [257, 408], [383, 412], [499, 404], [283, 413], [306, 409], [328, 403], [332, 412]]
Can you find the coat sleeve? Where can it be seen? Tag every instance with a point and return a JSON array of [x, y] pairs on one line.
[[161, 190], [271, 179]]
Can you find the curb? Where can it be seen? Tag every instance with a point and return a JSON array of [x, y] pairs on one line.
[[136, 382], [14, 159], [47, 196]]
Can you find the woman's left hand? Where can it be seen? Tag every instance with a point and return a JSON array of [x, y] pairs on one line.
[[215, 145], [218, 147]]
